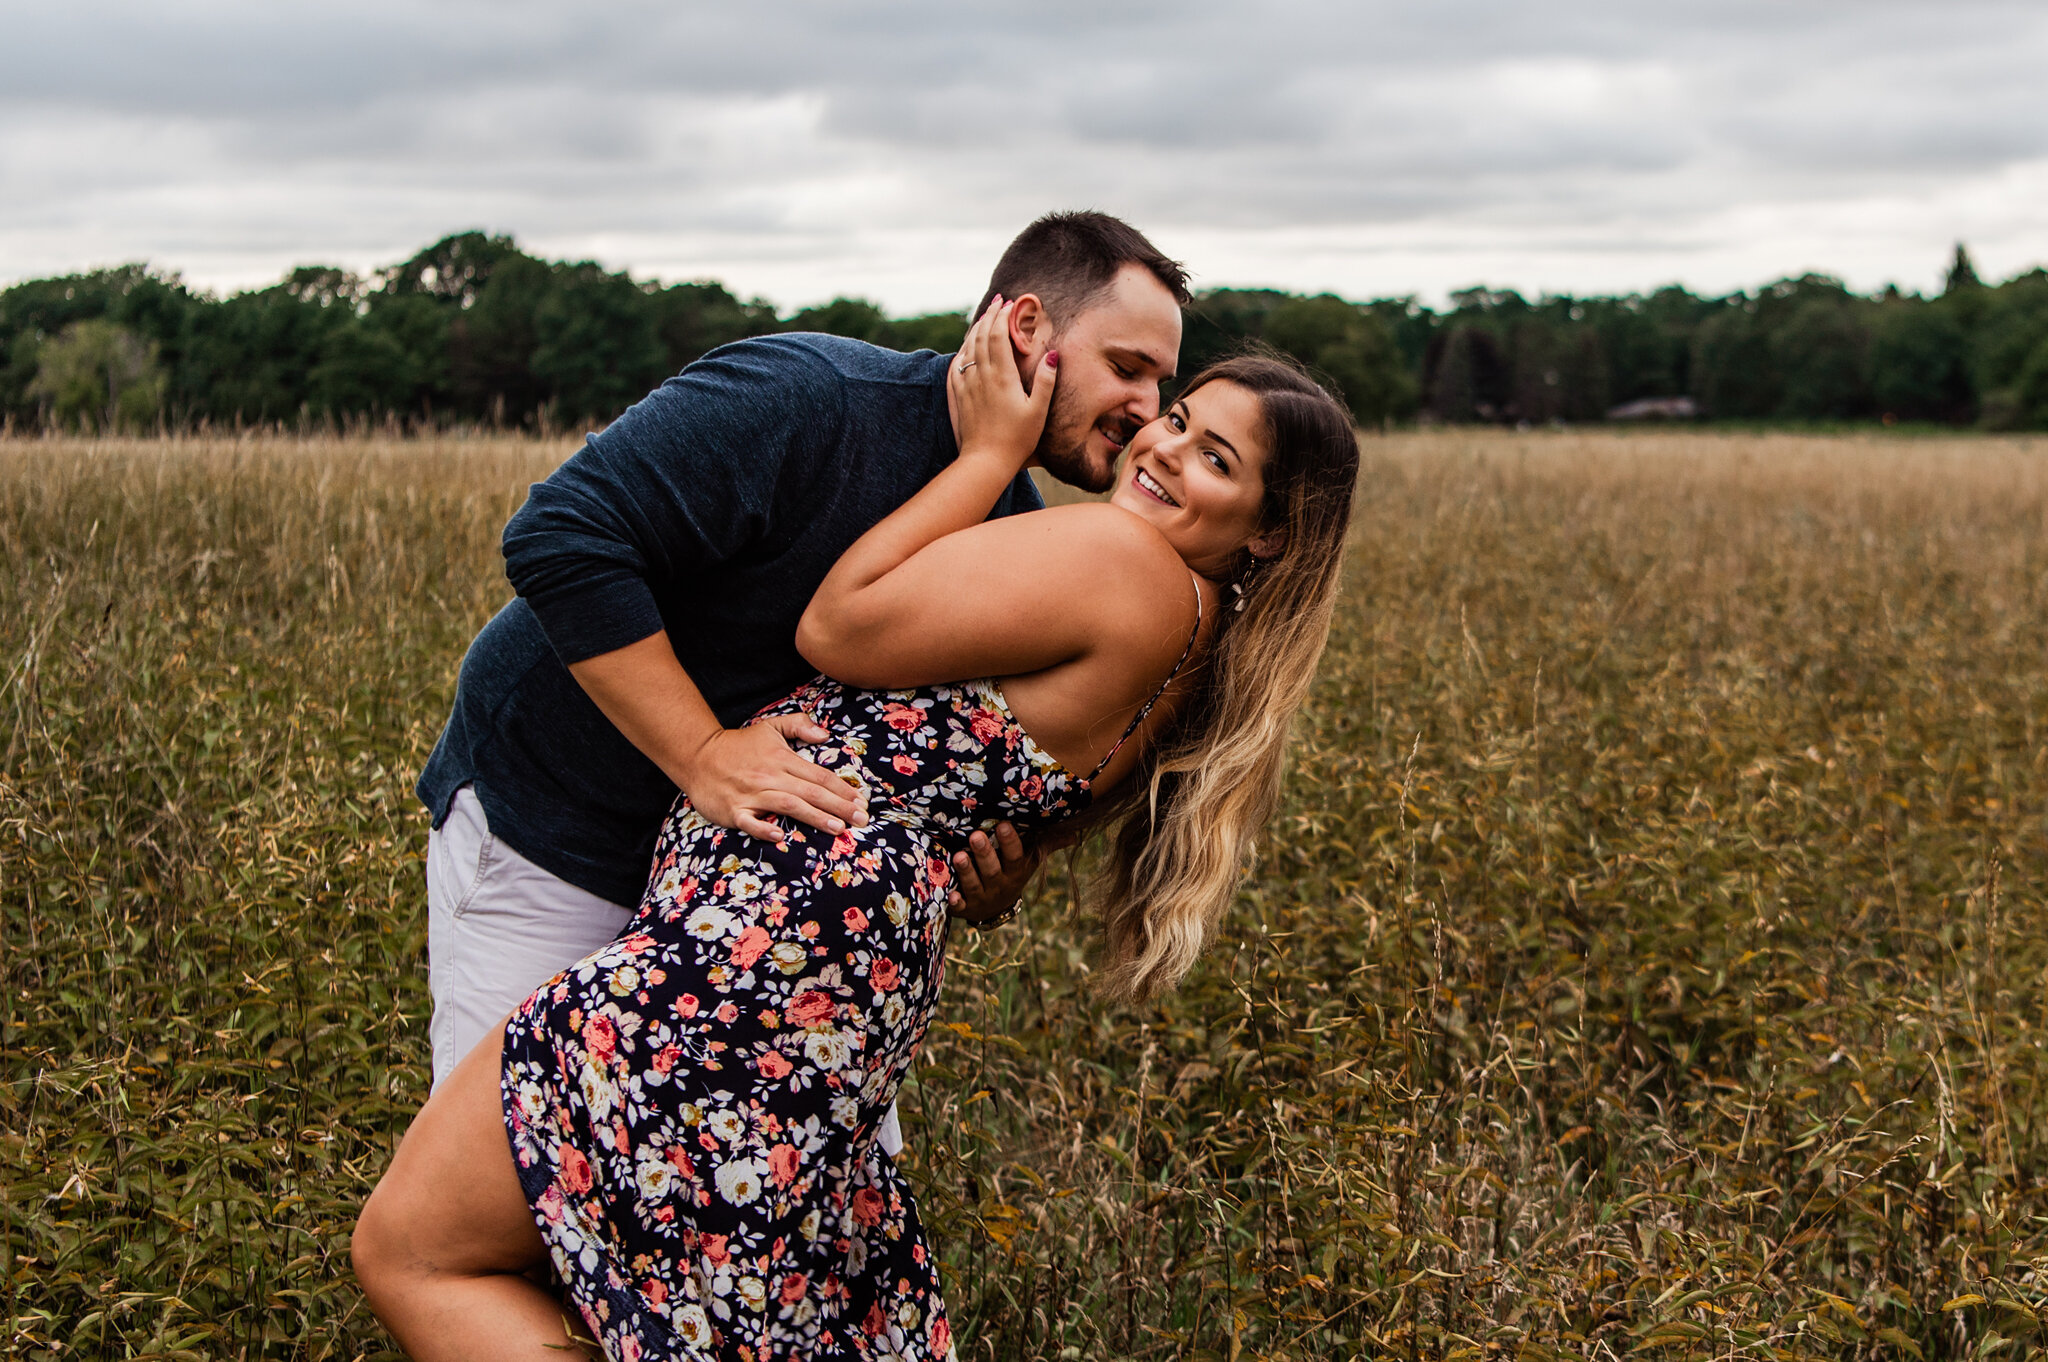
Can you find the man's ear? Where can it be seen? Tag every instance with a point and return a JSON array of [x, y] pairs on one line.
[[1030, 331]]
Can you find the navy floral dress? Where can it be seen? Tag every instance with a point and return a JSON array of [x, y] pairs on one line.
[[693, 1108]]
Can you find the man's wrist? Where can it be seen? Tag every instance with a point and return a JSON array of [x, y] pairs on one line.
[[688, 754]]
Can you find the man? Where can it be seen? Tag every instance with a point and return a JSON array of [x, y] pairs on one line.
[[660, 575]]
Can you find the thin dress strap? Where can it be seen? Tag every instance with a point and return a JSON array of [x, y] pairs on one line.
[[1146, 708]]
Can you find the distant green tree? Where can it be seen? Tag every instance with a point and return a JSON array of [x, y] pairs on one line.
[[1352, 347], [325, 286], [1962, 271], [491, 343], [1504, 304], [854, 317], [98, 375], [1222, 322], [696, 318], [453, 269], [419, 324], [2030, 407], [862, 320], [250, 358], [941, 332], [1536, 372], [1588, 391], [153, 306], [362, 370], [1820, 351], [1646, 341], [596, 350], [1919, 368], [2010, 325], [1468, 376], [1734, 373], [1411, 325]]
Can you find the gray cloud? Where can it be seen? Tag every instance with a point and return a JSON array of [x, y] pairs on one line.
[[814, 146]]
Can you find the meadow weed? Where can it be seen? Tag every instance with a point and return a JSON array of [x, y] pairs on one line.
[[1649, 957]]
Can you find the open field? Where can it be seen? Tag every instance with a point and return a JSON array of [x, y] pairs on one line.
[[1650, 956]]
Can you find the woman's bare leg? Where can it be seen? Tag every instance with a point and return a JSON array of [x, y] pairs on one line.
[[442, 1244]]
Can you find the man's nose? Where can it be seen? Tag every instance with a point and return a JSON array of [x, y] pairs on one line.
[[1143, 405]]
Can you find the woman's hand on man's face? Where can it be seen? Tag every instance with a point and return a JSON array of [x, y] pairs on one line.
[[998, 419]]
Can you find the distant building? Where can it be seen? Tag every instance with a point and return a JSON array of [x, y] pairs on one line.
[[1655, 409]]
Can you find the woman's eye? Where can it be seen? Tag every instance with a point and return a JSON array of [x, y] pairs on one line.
[[1173, 419], [1217, 459]]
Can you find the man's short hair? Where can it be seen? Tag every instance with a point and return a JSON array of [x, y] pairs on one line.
[[1070, 259]]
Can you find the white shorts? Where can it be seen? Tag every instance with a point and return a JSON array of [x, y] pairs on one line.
[[498, 927]]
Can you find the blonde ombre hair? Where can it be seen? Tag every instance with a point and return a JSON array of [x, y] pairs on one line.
[[1209, 783]]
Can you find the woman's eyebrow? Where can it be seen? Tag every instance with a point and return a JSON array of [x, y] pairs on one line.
[[1180, 404]]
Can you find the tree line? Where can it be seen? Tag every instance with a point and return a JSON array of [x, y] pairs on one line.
[[474, 331]]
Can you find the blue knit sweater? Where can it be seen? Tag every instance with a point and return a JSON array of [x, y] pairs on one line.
[[712, 509]]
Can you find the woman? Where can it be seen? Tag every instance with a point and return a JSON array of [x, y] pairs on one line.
[[692, 1109]]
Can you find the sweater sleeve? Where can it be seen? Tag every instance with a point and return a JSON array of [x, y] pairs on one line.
[[684, 480]]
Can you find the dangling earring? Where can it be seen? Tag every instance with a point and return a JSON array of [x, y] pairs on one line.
[[1244, 580]]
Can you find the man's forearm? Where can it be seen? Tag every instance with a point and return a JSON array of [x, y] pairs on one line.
[[651, 700], [739, 778]]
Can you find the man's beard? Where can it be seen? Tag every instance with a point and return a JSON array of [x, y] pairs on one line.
[[1063, 448]]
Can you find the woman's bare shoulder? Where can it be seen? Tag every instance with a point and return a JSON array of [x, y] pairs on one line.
[[1099, 527], [1129, 573]]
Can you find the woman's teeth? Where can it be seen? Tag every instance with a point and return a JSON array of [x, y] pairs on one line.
[[1146, 481]]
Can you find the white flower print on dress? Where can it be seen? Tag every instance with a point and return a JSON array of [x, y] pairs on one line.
[[739, 1181], [828, 1049], [598, 1093], [657, 1175], [692, 1326], [708, 923]]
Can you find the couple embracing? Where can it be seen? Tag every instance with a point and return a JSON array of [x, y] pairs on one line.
[[785, 634]]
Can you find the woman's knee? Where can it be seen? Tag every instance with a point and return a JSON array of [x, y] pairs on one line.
[[387, 1246], [372, 1247]]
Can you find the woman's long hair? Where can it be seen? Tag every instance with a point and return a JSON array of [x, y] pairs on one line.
[[1210, 782]]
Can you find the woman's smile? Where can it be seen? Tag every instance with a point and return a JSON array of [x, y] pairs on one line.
[[1196, 475], [1150, 485]]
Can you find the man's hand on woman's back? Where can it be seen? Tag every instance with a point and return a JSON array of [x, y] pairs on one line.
[[742, 777], [737, 777]]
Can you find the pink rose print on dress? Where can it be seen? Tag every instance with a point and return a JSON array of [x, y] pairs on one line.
[[750, 946], [984, 724], [809, 1008]]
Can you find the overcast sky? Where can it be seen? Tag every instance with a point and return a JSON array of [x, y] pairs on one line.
[[804, 148]]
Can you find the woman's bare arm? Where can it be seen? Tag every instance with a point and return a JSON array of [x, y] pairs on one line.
[[936, 592], [1005, 598]]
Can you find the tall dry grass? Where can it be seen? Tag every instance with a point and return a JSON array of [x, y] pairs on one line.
[[1649, 956]]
